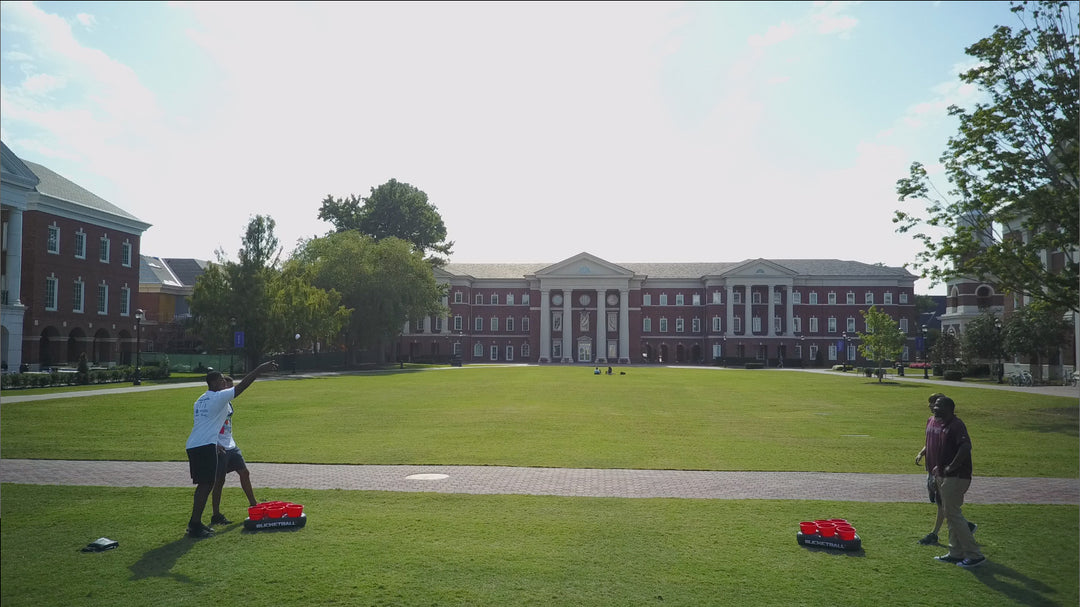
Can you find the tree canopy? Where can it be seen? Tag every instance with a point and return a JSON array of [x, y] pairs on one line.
[[393, 210], [883, 339], [1015, 162]]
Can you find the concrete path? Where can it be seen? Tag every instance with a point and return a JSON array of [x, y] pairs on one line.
[[490, 480]]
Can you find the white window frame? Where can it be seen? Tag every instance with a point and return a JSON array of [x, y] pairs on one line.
[[78, 296], [832, 324], [457, 322], [718, 297], [125, 254], [695, 325], [904, 325], [663, 324], [125, 300], [80, 244], [105, 252], [903, 297], [850, 324], [755, 297], [52, 242], [438, 324], [103, 299], [478, 325], [737, 326], [680, 325], [887, 298], [478, 350], [646, 299], [813, 324], [524, 302], [646, 325], [494, 352], [525, 351], [478, 299], [813, 298], [832, 298], [832, 352], [509, 324], [717, 324], [796, 324], [680, 299], [509, 299], [756, 324], [494, 324], [509, 353], [494, 299], [778, 297], [663, 299], [796, 297], [458, 297], [736, 298], [778, 324], [851, 298], [869, 298], [813, 351], [52, 292], [696, 298], [524, 325]]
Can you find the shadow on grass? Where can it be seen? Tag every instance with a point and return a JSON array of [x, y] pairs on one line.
[[1014, 585], [860, 553], [1064, 422], [160, 561]]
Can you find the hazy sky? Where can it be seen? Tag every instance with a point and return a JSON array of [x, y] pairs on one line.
[[634, 131]]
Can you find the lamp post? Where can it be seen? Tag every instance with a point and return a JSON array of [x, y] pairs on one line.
[[925, 369], [802, 351], [1001, 363], [844, 366], [232, 347], [723, 351], [138, 347], [296, 353]]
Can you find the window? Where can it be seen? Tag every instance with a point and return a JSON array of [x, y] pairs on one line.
[[851, 298], [458, 297], [80, 245], [646, 299], [778, 323], [903, 325], [494, 299], [478, 350], [832, 351], [125, 300], [103, 255], [525, 350], [813, 352], [903, 298], [850, 324], [438, 324], [869, 298], [813, 324], [778, 297], [125, 254], [53, 244], [717, 352], [457, 348], [832, 324], [736, 297], [494, 324], [646, 325], [524, 327], [663, 299], [103, 299], [697, 299], [850, 352], [509, 352], [717, 298], [663, 325], [796, 297], [796, 324], [478, 324], [556, 350], [78, 296], [494, 352], [479, 299], [756, 324], [524, 302], [509, 324], [906, 355], [832, 299], [679, 299], [737, 324], [51, 285], [695, 325], [813, 298], [509, 299], [680, 325], [457, 323], [755, 297], [888, 298], [798, 351], [717, 324]]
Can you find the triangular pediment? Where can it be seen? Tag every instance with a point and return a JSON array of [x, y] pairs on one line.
[[758, 268], [14, 171], [583, 265]]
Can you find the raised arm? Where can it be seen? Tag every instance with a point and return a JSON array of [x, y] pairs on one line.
[[251, 377]]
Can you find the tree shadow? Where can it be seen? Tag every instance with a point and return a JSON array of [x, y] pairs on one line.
[[1015, 585], [1062, 420]]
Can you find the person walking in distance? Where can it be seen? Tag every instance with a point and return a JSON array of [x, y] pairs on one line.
[[948, 456], [230, 459], [211, 410], [931, 484]]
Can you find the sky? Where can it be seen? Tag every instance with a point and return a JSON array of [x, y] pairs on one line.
[[638, 132]]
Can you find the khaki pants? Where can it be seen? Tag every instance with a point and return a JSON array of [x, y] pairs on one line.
[[951, 492]]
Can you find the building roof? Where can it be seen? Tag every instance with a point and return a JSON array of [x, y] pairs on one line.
[[54, 185], [186, 269], [811, 267]]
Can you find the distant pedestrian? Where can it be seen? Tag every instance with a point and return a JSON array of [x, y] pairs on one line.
[[948, 456]]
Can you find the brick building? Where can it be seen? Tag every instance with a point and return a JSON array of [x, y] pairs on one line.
[[588, 310], [70, 271]]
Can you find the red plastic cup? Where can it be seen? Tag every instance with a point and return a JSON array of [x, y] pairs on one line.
[[846, 532], [275, 512], [256, 513], [827, 529], [294, 510], [808, 527], [838, 521]]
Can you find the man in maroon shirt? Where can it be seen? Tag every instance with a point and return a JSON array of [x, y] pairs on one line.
[[948, 456]]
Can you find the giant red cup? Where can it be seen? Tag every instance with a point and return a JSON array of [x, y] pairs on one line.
[[808, 527], [846, 532], [294, 510], [826, 529], [256, 513], [275, 512]]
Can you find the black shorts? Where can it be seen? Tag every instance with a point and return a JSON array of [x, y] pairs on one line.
[[202, 462], [231, 460]]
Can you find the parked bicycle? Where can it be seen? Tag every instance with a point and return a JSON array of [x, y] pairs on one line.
[[1022, 378]]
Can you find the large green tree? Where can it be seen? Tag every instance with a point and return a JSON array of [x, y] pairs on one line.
[[393, 210], [883, 339], [982, 338], [1038, 331], [382, 282], [1014, 162]]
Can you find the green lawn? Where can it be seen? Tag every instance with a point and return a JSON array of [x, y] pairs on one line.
[[697, 419], [380, 548]]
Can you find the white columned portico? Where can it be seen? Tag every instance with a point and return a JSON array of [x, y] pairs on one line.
[[567, 328], [13, 268], [624, 326], [545, 325], [601, 326]]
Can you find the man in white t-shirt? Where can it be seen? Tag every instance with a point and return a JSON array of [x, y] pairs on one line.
[[211, 410], [230, 459]]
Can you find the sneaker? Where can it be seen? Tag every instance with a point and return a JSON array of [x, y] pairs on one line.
[[219, 519], [971, 563], [931, 538], [972, 526], [199, 532], [948, 558]]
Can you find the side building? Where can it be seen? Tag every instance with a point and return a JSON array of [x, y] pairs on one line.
[[70, 271], [587, 310]]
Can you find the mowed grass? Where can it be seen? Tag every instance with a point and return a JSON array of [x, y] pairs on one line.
[[377, 548], [652, 418]]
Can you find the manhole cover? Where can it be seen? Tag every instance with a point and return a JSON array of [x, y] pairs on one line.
[[427, 477]]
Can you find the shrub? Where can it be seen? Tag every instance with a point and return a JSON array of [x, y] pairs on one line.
[[952, 375], [755, 365]]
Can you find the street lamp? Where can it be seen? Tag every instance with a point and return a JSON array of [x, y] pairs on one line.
[[802, 351], [1001, 363], [844, 366], [232, 348], [138, 346], [723, 351], [926, 368]]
